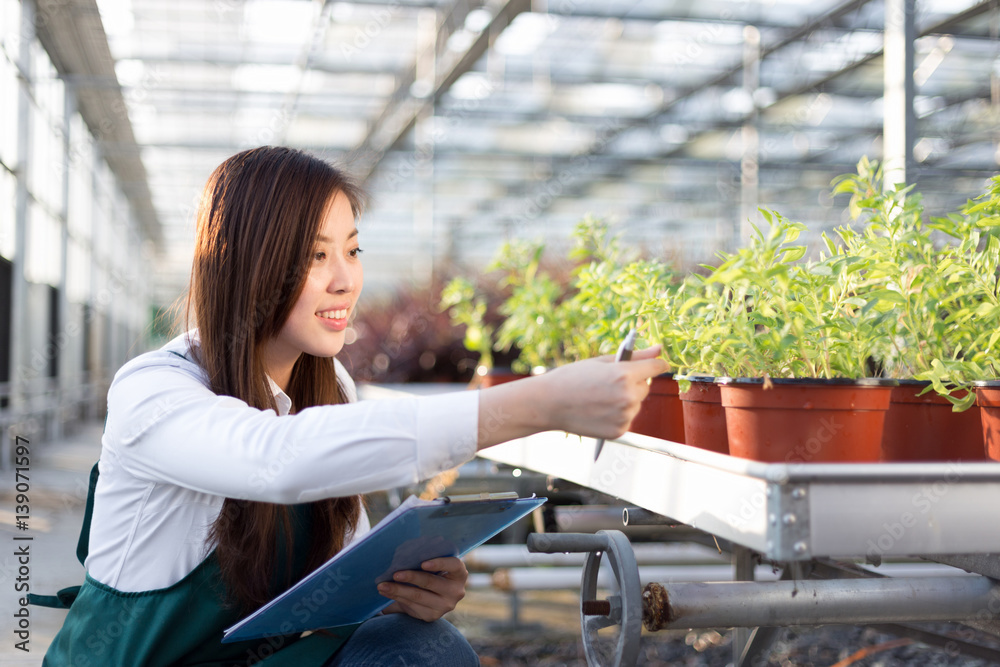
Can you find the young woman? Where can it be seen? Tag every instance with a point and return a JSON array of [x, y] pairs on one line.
[[233, 458]]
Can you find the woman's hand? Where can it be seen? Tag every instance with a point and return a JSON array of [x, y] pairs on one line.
[[597, 398], [428, 594]]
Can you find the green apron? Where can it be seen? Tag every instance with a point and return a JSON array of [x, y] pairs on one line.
[[179, 625]]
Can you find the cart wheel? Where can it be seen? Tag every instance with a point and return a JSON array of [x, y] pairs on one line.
[[623, 608]]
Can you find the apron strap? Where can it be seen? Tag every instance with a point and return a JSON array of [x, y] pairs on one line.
[[61, 600], [83, 544], [64, 598]]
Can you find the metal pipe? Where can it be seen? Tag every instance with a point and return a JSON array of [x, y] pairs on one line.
[[587, 518], [493, 556], [591, 518], [638, 516], [560, 578], [810, 602]]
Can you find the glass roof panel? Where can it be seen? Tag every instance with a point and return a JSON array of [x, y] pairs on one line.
[[633, 108]]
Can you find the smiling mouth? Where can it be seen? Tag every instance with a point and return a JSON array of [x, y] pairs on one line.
[[337, 314]]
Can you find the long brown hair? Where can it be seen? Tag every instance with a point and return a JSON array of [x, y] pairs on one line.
[[260, 212]]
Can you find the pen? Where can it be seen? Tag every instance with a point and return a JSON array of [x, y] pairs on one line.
[[624, 354]]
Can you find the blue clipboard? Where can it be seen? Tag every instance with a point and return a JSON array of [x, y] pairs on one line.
[[343, 590]]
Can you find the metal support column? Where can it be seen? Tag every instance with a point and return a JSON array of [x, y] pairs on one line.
[[63, 376], [743, 570], [423, 210], [899, 121], [750, 160], [94, 321], [762, 638], [19, 298]]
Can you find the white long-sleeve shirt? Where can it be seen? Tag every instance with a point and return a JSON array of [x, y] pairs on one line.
[[173, 450]]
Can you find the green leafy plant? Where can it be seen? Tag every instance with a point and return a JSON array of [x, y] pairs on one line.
[[538, 320], [614, 290], [934, 281], [467, 308], [555, 314], [763, 312], [791, 318]]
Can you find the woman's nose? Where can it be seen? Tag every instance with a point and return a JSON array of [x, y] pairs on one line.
[[341, 279]]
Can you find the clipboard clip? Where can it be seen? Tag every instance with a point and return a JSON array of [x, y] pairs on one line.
[[476, 497]]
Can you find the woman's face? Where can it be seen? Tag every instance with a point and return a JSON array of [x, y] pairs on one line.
[[319, 317]]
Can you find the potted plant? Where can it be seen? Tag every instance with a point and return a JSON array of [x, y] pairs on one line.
[[980, 256], [613, 292], [688, 321], [797, 346], [931, 292]]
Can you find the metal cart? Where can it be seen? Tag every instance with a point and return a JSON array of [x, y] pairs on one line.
[[800, 517]]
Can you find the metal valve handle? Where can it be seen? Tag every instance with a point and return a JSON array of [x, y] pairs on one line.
[[623, 609]]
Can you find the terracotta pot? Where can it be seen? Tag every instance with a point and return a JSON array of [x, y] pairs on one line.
[[493, 377], [924, 428], [988, 400], [661, 415], [704, 416], [805, 420]]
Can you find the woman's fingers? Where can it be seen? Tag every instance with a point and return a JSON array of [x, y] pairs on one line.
[[429, 594], [648, 353]]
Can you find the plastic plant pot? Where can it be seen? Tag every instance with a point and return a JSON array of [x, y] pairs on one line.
[[661, 415], [704, 416], [806, 420], [988, 400], [924, 427]]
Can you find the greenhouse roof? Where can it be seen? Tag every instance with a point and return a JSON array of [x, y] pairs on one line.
[[473, 122]]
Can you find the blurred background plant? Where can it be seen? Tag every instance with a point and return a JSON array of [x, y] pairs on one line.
[[406, 338], [562, 308]]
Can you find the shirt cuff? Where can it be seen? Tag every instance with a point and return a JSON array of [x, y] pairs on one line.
[[447, 431]]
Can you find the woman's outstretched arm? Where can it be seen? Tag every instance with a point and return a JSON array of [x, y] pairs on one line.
[[596, 398]]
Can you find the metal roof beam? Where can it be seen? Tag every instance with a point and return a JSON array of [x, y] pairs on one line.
[[607, 137], [806, 87], [401, 112], [238, 58], [75, 40]]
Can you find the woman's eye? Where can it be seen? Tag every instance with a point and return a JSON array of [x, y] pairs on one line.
[[319, 255], [356, 252]]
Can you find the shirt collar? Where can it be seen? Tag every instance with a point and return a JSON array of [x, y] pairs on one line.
[[282, 399]]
